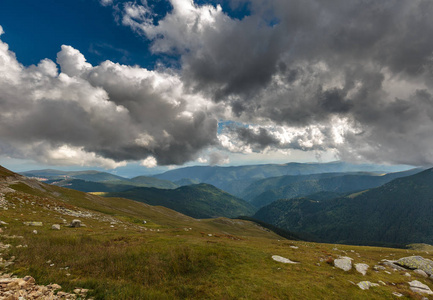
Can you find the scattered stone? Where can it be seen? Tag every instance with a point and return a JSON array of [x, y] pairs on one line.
[[377, 268], [55, 227], [382, 282], [283, 259], [397, 294], [38, 224], [392, 264], [420, 288], [407, 274], [75, 223], [365, 285], [3, 223], [421, 272], [344, 263], [54, 286], [294, 247], [35, 231], [416, 262], [362, 268]]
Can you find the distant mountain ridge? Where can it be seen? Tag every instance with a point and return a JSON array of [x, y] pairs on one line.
[[398, 212], [236, 179], [263, 192], [96, 181]]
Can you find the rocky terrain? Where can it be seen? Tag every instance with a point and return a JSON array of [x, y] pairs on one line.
[[62, 244]]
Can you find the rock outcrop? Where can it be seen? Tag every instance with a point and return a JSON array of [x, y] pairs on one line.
[[420, 288], [26, 288], [416, 262]]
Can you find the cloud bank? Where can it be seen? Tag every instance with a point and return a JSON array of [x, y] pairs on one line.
[[309, 66], [98, 115]]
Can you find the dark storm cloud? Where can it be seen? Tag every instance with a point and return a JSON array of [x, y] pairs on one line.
[[258, 140], [306, 62]]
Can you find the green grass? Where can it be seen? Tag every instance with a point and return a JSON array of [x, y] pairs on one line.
[[129, 261]]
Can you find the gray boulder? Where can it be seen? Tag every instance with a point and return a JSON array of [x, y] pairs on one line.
[[420, 288], [361, 268], [75, 223], [365, 285], [421, 272], [392, 264], [416, 262], [344, 263]]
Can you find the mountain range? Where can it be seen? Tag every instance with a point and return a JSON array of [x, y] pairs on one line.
[[398, 212]]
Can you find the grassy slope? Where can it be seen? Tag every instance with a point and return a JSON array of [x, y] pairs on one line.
[[129, 261], [199, 201]]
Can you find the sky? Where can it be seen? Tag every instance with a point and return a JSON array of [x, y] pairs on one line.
[[153, 85]]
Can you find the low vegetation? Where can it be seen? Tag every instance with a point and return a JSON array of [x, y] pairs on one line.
[[172, 256]]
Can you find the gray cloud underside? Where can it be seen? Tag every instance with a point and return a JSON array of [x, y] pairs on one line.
[[97, 115], [300, 63]]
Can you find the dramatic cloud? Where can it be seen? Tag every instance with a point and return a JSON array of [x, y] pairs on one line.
[[305, 64], [103, 115], [354, 78]]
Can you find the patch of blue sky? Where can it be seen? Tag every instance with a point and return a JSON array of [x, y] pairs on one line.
[[234, 9], [35, 30], [222, 124]]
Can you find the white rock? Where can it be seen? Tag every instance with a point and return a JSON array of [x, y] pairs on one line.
[[35, 231], [283, 259], [421, 272], [344, 263], [361, 268], [420, 288], [397, 294], [294, 247], [55, 227], [365, 285]]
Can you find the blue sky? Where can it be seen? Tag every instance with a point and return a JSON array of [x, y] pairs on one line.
[[152, 85], [36, 30]]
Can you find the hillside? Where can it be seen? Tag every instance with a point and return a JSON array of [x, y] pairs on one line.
[[265, 191], [236, 180], [171, 256], [91, 175], [398, 212], [198, 201], [90, 186], [95, 181], [146, 181]]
